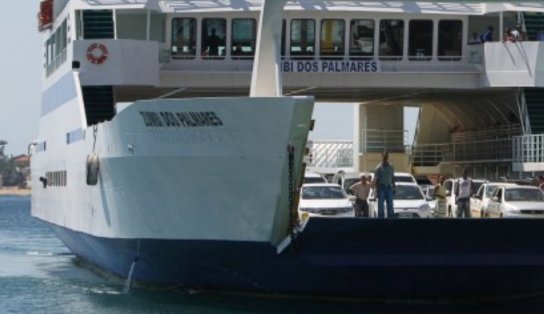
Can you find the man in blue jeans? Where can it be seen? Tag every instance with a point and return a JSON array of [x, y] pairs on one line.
[[384, 181]]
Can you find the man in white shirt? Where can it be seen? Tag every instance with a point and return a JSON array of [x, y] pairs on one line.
[[466, 189]]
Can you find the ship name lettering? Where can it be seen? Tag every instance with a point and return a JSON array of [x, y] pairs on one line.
[[181, 119], [151, 118]]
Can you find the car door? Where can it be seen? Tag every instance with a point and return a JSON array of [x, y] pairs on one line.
[[493, 209], [476, 202]]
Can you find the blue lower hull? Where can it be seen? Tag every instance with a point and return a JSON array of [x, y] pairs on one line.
[[342, 257]]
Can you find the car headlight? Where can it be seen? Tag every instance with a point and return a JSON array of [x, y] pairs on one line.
[[425, 207]]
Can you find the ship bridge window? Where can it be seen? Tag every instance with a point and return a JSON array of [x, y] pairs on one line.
[[420, 40], [332, 38], [303, 37], [243, 37], [450, 39], [391, 39], [214, 34], [183, 37], [361, 36]]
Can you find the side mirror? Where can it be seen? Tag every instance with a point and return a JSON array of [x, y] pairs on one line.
[[495, 199], [448, 193], [428, 198]]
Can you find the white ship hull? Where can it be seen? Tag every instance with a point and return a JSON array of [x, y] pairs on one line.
[[220, 174]]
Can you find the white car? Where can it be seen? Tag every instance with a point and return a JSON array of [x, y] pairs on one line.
[[480, 201], [408, 202], [452, 188], [516, 202], [324, 200], [313, 177]]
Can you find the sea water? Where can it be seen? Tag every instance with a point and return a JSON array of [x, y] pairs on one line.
[[39, 275]]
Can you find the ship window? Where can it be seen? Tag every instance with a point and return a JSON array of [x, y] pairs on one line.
[[361, 38], [214, 34], [332, 38], [243, 37], [302, 37], [450, 39], [184, 37], [391, 39], [420, 40], [283, 38]]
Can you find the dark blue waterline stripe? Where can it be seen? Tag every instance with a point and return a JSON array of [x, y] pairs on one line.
[[59, 93]]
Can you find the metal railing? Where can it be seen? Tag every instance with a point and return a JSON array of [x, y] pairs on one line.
[[331, 153], [528, 148], [377, 141], [473, 151]]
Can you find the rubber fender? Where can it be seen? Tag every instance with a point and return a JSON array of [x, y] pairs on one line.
[[93, 169]]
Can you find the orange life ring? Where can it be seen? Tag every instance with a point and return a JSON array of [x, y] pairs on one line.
[[97, 53]]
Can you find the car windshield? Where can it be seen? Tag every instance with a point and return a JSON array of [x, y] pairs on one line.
[[490, 190], [404, 179], [314, 180], [408, 192], [322, 192], [526, 195]]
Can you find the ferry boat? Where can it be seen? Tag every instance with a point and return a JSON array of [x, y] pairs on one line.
[[139, 176]]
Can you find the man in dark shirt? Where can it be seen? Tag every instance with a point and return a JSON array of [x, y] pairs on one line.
[[384, 181], [213, 42]]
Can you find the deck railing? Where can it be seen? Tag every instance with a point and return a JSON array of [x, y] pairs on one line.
[[331, 154], [377, 141], [528, 148]]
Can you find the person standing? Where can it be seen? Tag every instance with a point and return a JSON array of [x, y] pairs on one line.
[[440, 195], [384, 181], [466, 189], [488, 35], [361, 190]]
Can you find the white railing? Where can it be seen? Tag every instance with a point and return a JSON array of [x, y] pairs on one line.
[[528, 148], [474, 151], [377, 141], [331, 153]]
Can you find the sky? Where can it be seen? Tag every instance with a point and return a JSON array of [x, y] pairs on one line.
[[21, 61], [20, 79]]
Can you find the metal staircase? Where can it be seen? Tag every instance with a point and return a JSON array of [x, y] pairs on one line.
[[98, 103], [98, 24]]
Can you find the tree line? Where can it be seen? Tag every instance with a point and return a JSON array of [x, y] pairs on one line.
[[12, 173]]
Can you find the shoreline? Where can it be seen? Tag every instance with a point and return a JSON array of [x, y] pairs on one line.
[[15, 191]]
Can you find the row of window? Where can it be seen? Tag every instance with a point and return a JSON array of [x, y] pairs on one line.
[[55, 48], [332, 38], [56, 178]]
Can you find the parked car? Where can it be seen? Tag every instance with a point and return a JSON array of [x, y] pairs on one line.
[[313, 177], [480, 201], [324, 200], [452, 189], [516, 202], [408, 202]]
